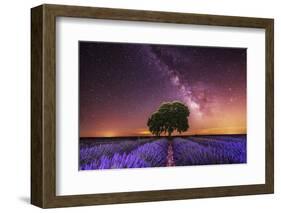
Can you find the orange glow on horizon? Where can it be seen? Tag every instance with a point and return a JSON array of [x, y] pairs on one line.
[[109, 134], [145, 132], [217, 131]]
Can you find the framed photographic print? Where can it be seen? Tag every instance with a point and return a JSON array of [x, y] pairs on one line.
[[136, 106]]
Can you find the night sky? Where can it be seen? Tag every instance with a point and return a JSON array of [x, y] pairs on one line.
[[121, 84]]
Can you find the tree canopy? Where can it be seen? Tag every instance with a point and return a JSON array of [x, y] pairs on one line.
[[170, 117]]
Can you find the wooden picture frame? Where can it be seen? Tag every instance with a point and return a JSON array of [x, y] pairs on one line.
[[43, 105]]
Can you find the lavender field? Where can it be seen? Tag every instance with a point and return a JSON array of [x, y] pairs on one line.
[[116, 153]]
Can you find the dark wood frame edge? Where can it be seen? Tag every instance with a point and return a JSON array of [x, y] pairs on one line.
[[43, 104]]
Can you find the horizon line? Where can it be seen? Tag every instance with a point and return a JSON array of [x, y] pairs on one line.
[[126, 136]]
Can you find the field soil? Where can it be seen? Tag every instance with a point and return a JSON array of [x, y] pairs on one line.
[[170, 155]]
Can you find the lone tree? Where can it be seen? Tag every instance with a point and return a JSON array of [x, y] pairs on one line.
[[170, 117]]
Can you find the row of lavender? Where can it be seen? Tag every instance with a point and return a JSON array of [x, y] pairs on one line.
[[127, 154], [140, 153], [206, 150]]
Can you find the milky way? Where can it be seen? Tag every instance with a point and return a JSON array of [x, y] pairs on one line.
[[154, 54], [122, 84]]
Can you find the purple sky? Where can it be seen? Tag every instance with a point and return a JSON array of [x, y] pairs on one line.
[[121, 84]]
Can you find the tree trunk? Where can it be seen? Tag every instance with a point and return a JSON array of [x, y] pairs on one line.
[[169, 135]]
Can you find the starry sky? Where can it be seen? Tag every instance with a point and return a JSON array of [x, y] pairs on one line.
[[122, 84]]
